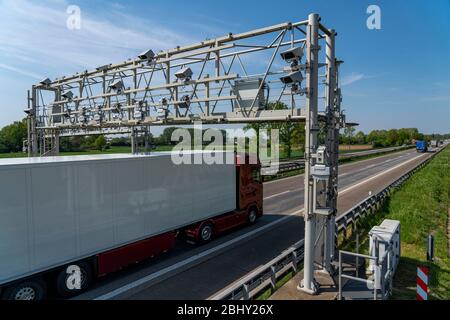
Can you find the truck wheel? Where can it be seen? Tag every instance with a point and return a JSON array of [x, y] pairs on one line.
[[252, 216], [67, 282], [206, 233], [34, 289]]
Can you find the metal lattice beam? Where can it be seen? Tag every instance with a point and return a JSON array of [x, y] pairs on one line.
[[91, 101]]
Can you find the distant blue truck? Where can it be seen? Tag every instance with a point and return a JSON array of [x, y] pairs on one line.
[[421, 146]]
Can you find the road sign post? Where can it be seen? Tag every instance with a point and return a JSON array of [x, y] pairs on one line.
[[430, 248]]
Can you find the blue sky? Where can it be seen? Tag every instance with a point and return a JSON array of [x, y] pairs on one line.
[[395, 77]]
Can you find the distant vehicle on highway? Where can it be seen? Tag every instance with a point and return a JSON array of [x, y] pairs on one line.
[[67, 220], [434, 143], [421, 146]]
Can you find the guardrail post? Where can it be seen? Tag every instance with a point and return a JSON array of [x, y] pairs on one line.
[[357, 258], [273, 278], [389, 268], [353, 225], [340, 276], [245, 292], [377, 266], [430, 248], [294, 261], [336, 235]]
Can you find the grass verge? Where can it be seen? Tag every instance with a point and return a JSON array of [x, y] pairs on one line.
[[422, 207], [265, 295]]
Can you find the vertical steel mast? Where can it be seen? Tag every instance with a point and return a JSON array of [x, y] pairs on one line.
[[321, 162], [332, 114], [311, 144]]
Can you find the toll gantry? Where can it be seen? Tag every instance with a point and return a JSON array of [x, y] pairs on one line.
[[227, 80]]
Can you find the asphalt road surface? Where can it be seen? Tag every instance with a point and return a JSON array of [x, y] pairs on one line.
[[198, 272]]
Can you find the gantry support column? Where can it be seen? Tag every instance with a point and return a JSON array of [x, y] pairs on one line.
[[337, 110], [55, 145], [134, 141], [33, 144], [311, 143], [28, 111], [332, 144]]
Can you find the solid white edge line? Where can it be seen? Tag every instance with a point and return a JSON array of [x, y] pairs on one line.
[[348, 173], [185, 262], [277, 195], [379, 174]]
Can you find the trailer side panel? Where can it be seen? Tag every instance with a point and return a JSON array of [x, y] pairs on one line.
[[58, 211]]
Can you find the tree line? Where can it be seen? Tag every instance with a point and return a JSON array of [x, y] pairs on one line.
[[292, 136], [382, 138], [12, 137]]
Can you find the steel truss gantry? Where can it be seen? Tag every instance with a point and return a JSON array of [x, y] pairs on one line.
[[225, 80]]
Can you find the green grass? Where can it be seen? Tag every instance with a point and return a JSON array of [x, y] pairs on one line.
[[295, 154], [265, 295], [108, 151], [88, 152], [421, 205], [12, 155]]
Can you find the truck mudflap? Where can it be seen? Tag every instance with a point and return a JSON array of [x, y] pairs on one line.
[[119, 258]]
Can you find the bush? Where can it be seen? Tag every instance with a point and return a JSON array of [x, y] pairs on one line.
[[100, 143], [12, 137]]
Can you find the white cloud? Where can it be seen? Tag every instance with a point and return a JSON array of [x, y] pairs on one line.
[[21, 71], [352, 78], [117, 5], [34, 37]]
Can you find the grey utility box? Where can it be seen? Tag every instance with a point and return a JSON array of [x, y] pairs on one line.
[[246, 92], [387, 235]]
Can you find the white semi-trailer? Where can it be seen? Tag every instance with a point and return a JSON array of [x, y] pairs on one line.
[[66, 220]]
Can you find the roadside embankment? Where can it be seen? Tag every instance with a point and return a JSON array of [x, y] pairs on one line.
[[422, 207]]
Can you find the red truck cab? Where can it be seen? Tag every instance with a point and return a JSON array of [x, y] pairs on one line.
[[249, 206]]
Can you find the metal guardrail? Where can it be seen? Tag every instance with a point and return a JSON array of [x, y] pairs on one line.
[[283, 167], [374, 202], [267, 276], [264, 276]]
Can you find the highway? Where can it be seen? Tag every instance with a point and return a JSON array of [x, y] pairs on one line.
[[198, 272]]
